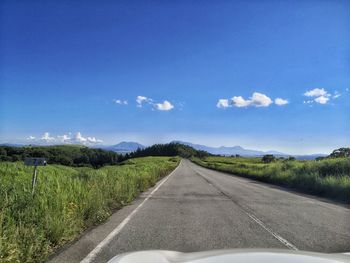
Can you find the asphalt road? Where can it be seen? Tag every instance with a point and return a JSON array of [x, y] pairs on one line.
[[197, 209]]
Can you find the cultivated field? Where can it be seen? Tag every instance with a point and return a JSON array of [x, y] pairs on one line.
[[67, 201], [328, 177]]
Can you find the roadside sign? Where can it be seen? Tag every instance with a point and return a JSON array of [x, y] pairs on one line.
[[35, 161]]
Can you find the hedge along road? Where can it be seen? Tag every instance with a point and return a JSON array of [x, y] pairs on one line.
[[195, 209]]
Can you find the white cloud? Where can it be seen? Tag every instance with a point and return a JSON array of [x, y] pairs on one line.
[[93, 140], [336, 95], [121, 102], [322, 99], [166, 105], [239, 101], [46, 137], [79, 138], [320, 96], [280, 101], [142, 99], [260, 100], [63, 138], [223, 103], [256, 100], [307, 101], [315, 93]]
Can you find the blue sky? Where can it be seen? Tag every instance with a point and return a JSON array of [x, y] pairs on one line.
[[202, 71]]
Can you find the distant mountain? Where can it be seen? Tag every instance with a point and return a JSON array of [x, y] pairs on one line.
[[310, 156], [125, 147], [12, 144], [223, 150]]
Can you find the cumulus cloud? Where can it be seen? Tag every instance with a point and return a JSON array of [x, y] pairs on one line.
[[336, 95], [93, 140], [281, 102], [30, 138], [142, 99], [223, 103], [166, 105], [322, 99], [63, 138], [308, 101], [47, 138], [239, 101], [78, 138], [260, 100], [163, 106], [256, 100], [315, 93], [320, 96], [121, 102]]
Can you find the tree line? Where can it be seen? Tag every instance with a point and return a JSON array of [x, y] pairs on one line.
[[70, 155], [168, 149], [337, 153], [77, 155]]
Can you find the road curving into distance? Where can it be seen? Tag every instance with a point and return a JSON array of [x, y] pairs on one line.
[[196, 209]]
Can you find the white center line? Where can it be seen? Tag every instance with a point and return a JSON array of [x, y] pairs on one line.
[[278, 237], [92, 255], [253, 217]]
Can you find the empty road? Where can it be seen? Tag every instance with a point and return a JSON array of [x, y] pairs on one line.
[[197, 209]]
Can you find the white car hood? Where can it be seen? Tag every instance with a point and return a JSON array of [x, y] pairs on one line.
[[232, 256]]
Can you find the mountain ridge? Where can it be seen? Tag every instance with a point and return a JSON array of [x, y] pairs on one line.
[[233, 150], [125, 147], [131, 146]]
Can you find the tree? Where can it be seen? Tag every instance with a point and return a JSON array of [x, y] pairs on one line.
[[268, 158], [170, 149], [16, 158], [341, 152]]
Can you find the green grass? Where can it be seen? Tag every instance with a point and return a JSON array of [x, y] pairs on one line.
[[328, 177], [67, 201]]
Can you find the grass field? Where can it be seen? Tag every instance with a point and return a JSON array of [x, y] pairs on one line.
[[328, 177], [67, 201]]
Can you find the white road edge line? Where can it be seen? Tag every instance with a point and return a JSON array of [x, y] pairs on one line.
[[278, 237], [92, 255], [258, 221]]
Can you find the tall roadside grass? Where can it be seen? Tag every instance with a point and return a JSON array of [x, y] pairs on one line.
[[67, 200], [327, 177]]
